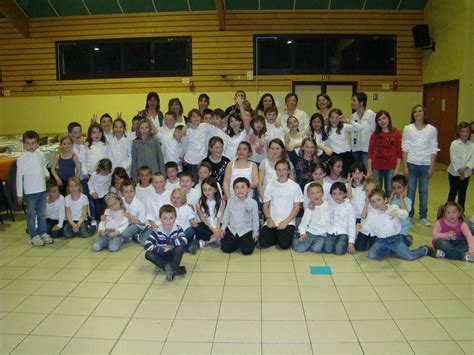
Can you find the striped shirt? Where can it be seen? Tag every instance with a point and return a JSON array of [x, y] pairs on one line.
[[159, 239]]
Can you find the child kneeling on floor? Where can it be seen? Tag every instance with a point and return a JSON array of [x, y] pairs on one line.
[[164, 246], [113, 224], [384, 222], [452, 238], [240, 224]]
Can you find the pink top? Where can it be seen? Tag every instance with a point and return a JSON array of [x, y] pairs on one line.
[[442, 228]]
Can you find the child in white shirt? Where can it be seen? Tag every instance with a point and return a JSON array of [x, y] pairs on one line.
[[172, 179], [158, 198], [315, 222], [384, 222], [364, 238], [173, 150], [99, 185], [77, 206], [355, 188], [341, 233], [185, 216], [192, 195], [113, 224], [144, 189], [318, 175], [135, 212], [55, 211], [30, 180]]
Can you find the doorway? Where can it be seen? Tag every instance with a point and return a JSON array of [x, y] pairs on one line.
[[441, 101], [340, 93]]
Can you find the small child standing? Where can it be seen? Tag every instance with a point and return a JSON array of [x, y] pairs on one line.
[[185, 216], [55, 211], [65, 164], [210, 210], [341, 233], [452, 238], [99, 185], [144, 188], [240, 223], [77, 206], [113, 224], [164, 247], [30, 181], [384, 222], [172, 179], [315, 222], [399, 198]]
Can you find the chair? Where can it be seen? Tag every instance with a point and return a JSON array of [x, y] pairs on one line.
[[5, 204]]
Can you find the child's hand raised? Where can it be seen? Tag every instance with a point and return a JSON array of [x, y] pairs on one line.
[[94, 118]]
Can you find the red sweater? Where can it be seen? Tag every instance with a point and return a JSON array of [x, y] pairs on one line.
[[384, 149]]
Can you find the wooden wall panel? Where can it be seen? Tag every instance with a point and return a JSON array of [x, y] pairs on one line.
[[221, 59]]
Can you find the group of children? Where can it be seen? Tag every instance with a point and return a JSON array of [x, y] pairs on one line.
[[239, 181]]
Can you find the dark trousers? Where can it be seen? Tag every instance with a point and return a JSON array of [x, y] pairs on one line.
[[454, 249], [232, 242], [203, 232], [50, 223], [364, 242], [99, 206], [172, 257], [271, 236], [457, 187], [347, 160]]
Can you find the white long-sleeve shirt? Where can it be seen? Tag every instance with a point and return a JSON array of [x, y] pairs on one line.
[[115, 220], [327, 192], [91, 156], [136, 209], [173, 150], [121, 153], [303, 119], [343, 220], [317, 221], [420, 144], [274, 132], [461, 155], [56, 210], [30, 174], [100, 184], [154, 203], [360, 139], [144, 193], [339, 143], [196, 142], [382, 224], [357, 199]]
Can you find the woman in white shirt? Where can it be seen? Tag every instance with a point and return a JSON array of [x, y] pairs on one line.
[[281, 204], [461, 154], [291, 101], [420, 147]]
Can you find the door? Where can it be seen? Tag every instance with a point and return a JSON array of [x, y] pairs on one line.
[[339, 92], [441, 101]]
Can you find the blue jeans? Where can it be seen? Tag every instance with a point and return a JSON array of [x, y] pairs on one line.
[[385, 178], [131, 231], [313, 242], [336, 243], [189, 233], [36, 213], [114, 244], [384, 246], [363, 157], [418, 173], [85, 191], [454, 249], [84, 230]]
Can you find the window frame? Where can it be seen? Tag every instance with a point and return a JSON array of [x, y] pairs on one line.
[[322, 36], [152, 72]]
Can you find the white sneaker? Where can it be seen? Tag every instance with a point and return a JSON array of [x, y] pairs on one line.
[[47, 239], [37, 241], [468, 258], [425, 222], [440, 254]]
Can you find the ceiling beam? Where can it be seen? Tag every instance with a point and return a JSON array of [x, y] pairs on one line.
[[16, 17], [220, 14]]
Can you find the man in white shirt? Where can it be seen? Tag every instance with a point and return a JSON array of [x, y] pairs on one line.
[[366, 118], [291, 100]]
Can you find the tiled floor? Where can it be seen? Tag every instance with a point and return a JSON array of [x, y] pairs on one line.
[[64, 298]]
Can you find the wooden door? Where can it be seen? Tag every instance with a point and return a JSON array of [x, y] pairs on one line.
[[441, 101]]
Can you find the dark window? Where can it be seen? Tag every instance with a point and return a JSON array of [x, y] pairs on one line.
[[325, 54], [124, 58]]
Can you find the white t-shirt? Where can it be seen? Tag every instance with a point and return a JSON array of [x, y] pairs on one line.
[[56, 210], [144, 193], [170, 186], [76, 206], [184, 215], [155, 201], [282, 196], [192, 197]]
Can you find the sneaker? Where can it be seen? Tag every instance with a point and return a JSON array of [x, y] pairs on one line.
[[37, 241], [202, 244], [430, 251], [47, 239], [425, 222], [440, 253], [181, 271], [469, 257], [193, 247], [135, 239], [169, 272]]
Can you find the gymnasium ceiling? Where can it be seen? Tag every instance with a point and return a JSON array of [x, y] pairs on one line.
[[59, 8]]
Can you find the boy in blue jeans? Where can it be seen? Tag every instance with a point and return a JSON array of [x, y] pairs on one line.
[[31, 187]]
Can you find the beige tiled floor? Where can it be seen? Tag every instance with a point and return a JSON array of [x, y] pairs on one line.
[[64, 298]]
